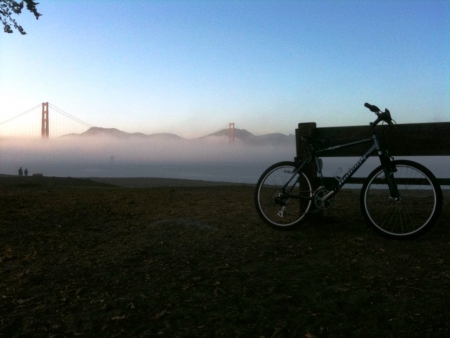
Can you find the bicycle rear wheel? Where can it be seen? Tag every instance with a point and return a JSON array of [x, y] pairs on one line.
[[283, 209], [414, 214]]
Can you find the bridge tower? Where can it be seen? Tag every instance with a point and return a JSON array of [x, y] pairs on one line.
[[44, 126], [231, 132]]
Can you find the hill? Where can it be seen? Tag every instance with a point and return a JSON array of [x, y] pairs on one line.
[[116, 133], [241, 135]]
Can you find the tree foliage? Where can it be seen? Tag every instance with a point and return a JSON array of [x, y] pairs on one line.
[[10, 7]]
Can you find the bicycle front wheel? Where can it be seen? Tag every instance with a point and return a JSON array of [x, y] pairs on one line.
[[283, 207], [418, 208]]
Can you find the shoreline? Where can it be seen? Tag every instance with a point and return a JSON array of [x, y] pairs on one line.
[[125, 182], [157, 182]]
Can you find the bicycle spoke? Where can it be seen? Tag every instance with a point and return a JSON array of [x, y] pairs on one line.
[[278, 204], [419, 205]]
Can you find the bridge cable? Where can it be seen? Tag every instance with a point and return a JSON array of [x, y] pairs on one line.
[[21, 114], [70, 116]]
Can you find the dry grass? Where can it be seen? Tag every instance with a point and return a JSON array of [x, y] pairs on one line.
[[82, 259]]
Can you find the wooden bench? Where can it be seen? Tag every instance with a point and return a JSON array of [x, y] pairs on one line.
[[415, 139]]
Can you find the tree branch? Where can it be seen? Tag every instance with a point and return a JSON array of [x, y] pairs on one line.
[[10, 7]]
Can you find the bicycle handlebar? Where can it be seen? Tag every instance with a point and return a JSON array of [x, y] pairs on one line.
[[382, 116], [372, 108]]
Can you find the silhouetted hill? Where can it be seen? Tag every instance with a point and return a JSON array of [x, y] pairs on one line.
[[95, 131], [165, 136], [273, 139], [240, 135], [116, 133]]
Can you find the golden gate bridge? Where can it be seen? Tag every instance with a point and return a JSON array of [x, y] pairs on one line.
[[35, 123]]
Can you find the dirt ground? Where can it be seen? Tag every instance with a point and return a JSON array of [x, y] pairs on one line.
[[83, 258]]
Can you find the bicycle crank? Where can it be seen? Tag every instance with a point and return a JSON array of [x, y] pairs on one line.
[[319, 199]]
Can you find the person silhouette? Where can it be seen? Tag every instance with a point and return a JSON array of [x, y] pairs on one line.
[[20, 171], [26, 172]]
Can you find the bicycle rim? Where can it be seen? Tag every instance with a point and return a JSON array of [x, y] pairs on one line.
[[418, 208], [270, 185]]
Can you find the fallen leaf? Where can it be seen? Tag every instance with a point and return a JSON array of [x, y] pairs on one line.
[[118, 317], [159, 315]]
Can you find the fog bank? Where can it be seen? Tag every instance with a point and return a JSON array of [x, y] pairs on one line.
[[109, 157], [210, 159]]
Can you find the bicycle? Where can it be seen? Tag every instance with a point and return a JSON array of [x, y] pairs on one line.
[[398, 199]]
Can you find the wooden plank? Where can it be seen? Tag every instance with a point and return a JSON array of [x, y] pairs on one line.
[[416, 139], [331, 181], [306, 129], [444, 181]]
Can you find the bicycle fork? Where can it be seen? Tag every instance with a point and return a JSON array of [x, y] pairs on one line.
[[389, 169]]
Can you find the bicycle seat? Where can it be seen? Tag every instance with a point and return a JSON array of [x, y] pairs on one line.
[[312, 140]]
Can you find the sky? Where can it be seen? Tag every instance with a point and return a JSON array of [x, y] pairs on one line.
[[192, 67]]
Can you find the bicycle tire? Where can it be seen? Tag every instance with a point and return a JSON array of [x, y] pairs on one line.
[[415, 214], [269, 185]]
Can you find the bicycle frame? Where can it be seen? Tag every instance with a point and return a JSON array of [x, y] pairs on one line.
[[341, 182], [398, 199], [384, 159]]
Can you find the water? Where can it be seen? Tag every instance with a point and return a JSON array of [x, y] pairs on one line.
[[221, 172], [439, 165], [236, 172]]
